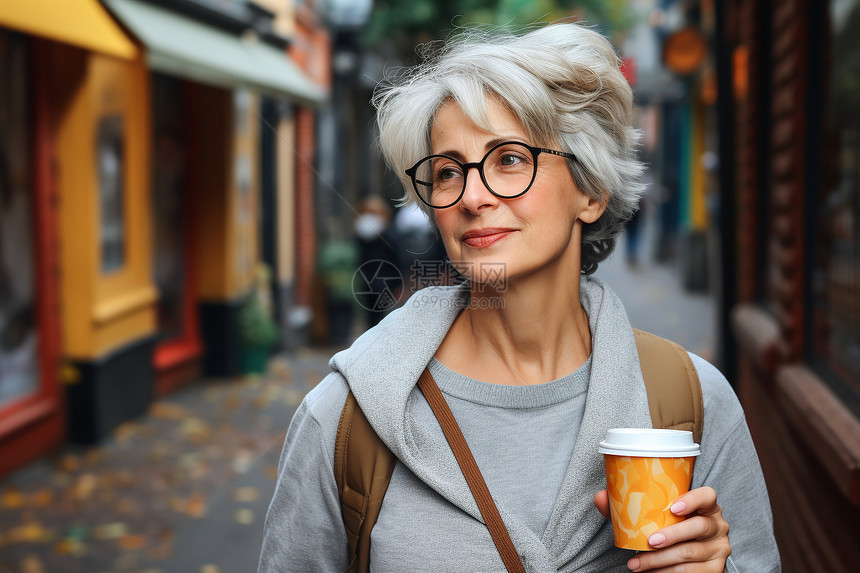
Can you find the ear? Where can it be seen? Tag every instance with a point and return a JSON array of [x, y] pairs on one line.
[[592, 210]]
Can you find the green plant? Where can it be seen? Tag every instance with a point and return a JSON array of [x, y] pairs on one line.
[[257, 327]]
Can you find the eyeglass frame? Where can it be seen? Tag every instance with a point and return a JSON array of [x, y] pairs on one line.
[[535, 151]]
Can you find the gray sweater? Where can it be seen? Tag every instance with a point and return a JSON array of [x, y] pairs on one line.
[[429, 520]]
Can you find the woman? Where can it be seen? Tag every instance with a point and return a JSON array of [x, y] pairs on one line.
[[531, 169]]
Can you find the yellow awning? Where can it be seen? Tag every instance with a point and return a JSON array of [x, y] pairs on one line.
[[83, 23]]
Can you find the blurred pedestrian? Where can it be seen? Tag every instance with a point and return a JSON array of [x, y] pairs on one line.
[[380, 280], [421, 255], [632, 232]]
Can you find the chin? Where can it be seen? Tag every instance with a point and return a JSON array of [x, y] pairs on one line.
[[490, 272]]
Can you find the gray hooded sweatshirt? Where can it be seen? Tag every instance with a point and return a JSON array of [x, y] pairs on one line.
[[429, 520]]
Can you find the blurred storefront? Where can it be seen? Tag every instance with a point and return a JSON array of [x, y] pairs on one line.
[[73, 123], [131, 166], [291, 246], [794, 129], [670, 64]]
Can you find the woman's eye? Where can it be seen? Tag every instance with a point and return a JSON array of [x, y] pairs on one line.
[[510, 159], [447, 173]]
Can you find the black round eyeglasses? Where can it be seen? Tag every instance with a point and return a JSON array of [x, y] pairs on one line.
[[507, 170]]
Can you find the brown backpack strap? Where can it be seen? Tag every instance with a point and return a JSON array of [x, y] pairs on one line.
[[471, 472], [672, 384], [363, 464], [362, 469]]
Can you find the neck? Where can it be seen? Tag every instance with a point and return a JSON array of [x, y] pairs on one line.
[[533, 331]]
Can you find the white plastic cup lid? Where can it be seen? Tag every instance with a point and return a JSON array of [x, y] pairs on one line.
[[649, 443]]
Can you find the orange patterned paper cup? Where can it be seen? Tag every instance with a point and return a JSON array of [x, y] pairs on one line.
[[646, 471]]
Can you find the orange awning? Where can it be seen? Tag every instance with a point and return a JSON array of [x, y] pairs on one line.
[[83, 23]]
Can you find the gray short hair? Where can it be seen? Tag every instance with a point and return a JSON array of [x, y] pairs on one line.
[[561, 81]]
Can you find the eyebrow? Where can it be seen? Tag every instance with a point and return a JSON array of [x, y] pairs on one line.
[[487, 146]]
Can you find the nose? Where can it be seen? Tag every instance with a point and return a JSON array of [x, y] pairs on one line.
[[476, 195]]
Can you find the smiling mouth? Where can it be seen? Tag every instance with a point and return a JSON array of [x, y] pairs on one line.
[[481, 238]]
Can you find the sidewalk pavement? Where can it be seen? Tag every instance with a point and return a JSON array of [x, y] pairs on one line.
[[655, 300], [185, 488]]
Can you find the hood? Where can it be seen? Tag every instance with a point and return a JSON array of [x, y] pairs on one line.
[[382, 369]]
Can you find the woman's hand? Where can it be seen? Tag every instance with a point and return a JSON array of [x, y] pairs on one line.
[[699, 543]]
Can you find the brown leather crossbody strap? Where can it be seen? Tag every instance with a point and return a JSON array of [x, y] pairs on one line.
[[470, 470], [362, 470], [672, 383]]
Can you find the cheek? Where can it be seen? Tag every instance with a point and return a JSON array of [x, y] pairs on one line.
[[445, 221], [447, 226]]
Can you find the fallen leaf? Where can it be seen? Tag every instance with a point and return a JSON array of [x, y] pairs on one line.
[[245, 516], [42, 498], [246, 494], [124, 432], [196, 506], [293, 397], [70, 547], [12, 498], [32, 564], [132, 542], [189, 460], [271, 472], [231, 404], [94, 456], [242, 464], [168, 411], [178, 504], [196, 429], [84, 486], [69, 463], [210, 569], [110, 531], [30, 532], [280, 368], [127, 506]]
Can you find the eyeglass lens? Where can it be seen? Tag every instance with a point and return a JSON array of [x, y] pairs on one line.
[[507, 170]]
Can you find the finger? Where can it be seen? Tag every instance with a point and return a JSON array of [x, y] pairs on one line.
[[601, 502], [696, 528], [702, 500], [706, 557]]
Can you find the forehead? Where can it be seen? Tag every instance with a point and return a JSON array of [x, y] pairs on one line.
[[452, 125]]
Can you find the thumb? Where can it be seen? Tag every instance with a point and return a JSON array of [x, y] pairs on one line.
[[601, 502]]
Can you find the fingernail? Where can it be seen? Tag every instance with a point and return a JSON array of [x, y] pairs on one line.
[[678, 507], [633, 564], [657, 539]]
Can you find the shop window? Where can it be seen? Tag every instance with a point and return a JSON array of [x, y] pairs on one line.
[[835, 262], [111, 171], [19, 368]]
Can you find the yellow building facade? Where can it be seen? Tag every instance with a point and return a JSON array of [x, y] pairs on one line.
[[144, 187]]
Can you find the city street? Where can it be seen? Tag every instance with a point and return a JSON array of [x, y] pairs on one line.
[[655, 300], [185, 489]]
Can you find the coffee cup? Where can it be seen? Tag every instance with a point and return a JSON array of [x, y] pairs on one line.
[[646, 471]]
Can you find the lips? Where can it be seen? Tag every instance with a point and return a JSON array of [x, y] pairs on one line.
[[481, 238]]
